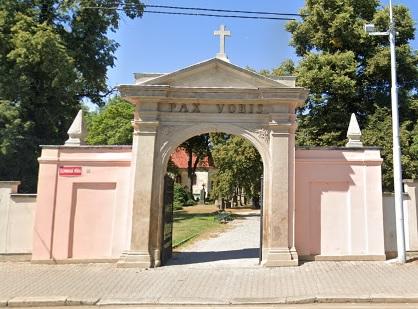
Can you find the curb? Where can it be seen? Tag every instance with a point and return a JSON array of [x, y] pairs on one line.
[[48, 301], [51, 301], [82, 301], [37, 301]]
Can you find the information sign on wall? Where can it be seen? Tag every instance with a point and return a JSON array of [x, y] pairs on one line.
[[70, 171]]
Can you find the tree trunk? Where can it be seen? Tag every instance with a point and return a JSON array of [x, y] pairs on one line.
[[190, 169], [240, 197]]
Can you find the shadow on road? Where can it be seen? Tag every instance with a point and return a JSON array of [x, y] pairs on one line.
[[181, 258]]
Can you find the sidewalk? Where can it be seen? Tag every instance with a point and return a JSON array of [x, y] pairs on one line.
[[31, 284]]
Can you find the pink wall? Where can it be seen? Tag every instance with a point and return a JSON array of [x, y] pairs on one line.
[[84, 216], [339, 203]]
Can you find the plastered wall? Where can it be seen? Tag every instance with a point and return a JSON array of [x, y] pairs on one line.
[[16, 219], [338, 204], [82, 208]]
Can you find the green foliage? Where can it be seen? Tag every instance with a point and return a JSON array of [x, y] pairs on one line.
[[224, 216], [12, 129], [14, 142], [190, 202], [378, 132], [112, 124], [286, 68], [177, 206], [348, 71], [181, 195], [172, 169], [239, 166], [53, 54]]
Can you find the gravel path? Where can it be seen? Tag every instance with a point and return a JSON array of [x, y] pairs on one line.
[[238, 246]]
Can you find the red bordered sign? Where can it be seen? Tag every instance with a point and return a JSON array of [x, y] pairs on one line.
[[70, 171]]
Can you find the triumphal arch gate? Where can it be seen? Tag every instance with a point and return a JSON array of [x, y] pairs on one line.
[[213, 96]]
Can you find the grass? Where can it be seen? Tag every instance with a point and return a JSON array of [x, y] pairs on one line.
[[197, 222], [193, 221]]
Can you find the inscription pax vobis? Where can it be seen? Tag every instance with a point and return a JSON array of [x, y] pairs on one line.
[[220, 108]]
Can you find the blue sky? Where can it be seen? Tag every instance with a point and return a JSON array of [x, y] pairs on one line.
[[165, 43]]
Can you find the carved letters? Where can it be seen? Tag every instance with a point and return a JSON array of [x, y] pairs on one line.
[[220, 108], [195, 108]]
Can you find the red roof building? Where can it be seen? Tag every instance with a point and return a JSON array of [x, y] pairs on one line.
[[180, 158]]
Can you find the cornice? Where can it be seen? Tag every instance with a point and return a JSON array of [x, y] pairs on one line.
[[138, 93]]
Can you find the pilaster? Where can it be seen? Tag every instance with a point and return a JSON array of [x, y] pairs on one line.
[[6, 188], [411, 188], [144, 139], [279, 250]]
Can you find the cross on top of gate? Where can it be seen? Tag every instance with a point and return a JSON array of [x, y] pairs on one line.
[[222, 32]]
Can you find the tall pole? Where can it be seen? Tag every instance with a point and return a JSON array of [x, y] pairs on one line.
[[397, 167]]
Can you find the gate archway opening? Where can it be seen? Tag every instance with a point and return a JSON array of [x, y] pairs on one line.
[[216, 178]]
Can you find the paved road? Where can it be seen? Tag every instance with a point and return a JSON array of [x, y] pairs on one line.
[[237, 247]]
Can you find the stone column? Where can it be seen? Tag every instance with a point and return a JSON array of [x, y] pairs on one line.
[[278, 250], [143, 164]]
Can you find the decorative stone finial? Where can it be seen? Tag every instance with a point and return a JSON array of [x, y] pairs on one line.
[[222, 32], [354, 133], [77, 131]]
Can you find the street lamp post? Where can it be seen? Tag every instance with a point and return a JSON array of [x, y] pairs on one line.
[[397, 167]]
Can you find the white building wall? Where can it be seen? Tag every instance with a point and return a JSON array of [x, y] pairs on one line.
[[202, 177]]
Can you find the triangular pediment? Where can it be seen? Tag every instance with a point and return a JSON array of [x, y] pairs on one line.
[[214, 73]]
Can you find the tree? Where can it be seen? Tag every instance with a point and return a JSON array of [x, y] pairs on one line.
[[239, 167], [14, 142], [197, 146], [112, 124], [348, 71], [54, 54], [378, 131], [286, 68]]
